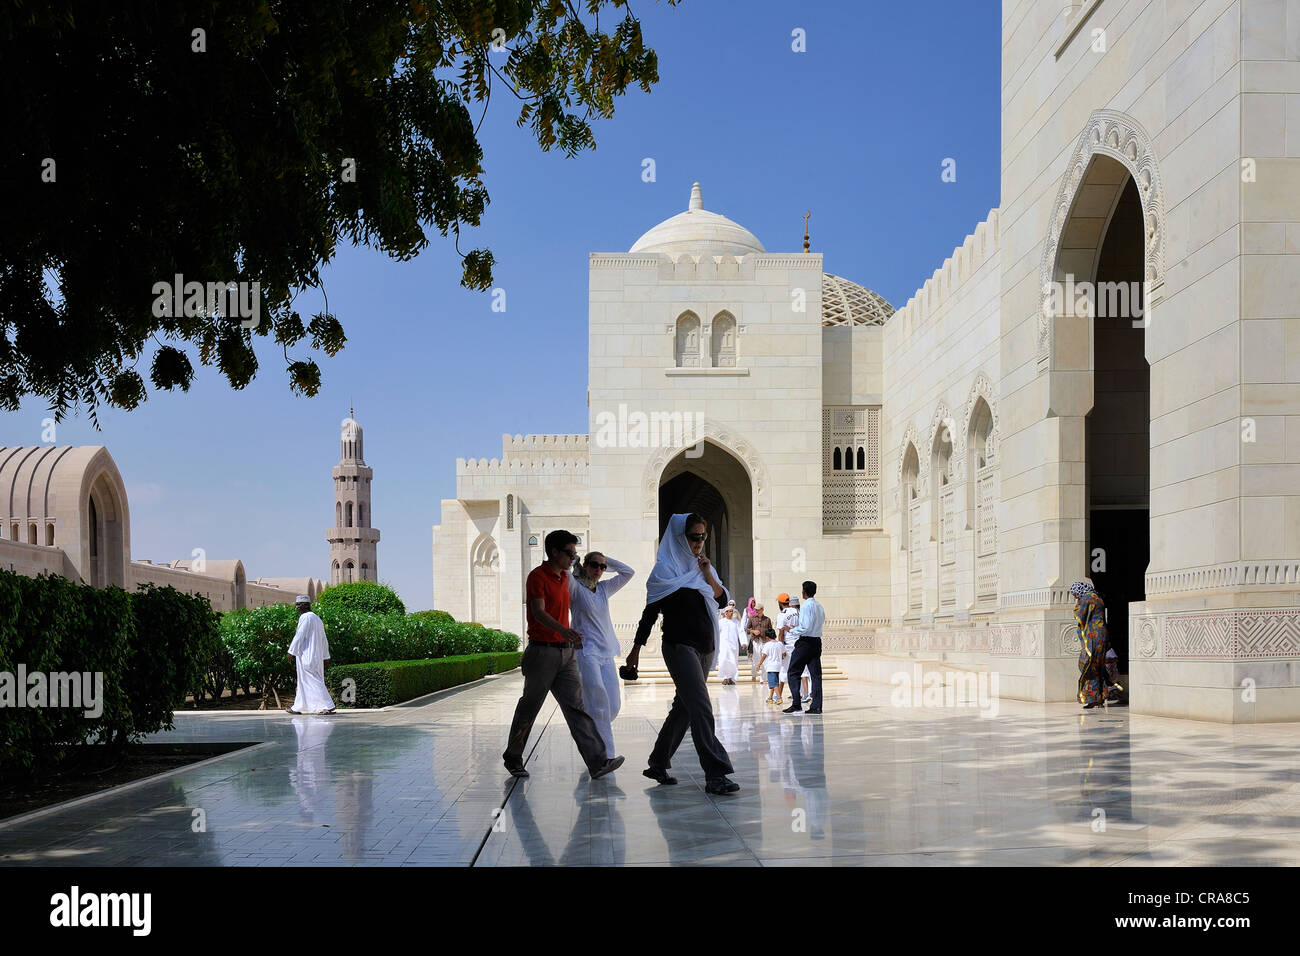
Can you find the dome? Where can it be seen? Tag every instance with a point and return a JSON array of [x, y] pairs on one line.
[[698, 232], [847, 303]]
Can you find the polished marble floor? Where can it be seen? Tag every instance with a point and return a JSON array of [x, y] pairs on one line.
[[867, 783]]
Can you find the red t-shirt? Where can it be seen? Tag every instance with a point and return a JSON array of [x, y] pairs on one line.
[[553, 588]]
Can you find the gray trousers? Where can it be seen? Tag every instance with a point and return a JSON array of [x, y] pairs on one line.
[[691, 708], [553, 669]]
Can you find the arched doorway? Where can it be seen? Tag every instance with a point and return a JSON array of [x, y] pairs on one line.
[[1117, 432], [717, 487], [106, 534], [1101, 303], [486, 580]]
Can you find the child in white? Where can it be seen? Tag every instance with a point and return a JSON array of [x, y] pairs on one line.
[[772, 651]]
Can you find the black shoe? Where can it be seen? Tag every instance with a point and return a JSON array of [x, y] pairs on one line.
[[794, 709], [660, 775], [609, 766], [721, 785], [813, 710], [517, 770]]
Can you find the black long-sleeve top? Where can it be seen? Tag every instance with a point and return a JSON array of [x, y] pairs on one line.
[[688, 619]]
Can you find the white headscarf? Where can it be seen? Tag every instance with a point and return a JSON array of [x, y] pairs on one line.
[[676, 568]]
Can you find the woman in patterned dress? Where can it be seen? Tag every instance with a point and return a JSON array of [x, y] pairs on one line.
[[1095, 684]]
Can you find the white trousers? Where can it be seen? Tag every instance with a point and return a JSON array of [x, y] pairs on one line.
[[600, 694]]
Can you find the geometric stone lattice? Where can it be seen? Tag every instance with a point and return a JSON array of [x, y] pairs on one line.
[[850, 467], [1274, 633], [1212, 635]]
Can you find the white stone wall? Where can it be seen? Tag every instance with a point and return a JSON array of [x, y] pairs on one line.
[[1182, 94], [942, 354], [765, 412]]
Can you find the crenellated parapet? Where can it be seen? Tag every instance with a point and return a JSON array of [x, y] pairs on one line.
[[493, 467], [979, 247], [542, 447]]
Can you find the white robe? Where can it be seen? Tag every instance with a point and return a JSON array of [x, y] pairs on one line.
[[730, 637], [311, 649]]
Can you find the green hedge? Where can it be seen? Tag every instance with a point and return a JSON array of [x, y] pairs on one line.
[[258, 638], [390, 682], [148, 649], [369, 597]]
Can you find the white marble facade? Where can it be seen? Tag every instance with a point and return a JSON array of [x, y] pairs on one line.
[[944, 472]]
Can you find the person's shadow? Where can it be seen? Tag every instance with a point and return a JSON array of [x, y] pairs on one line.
[[598, 836]]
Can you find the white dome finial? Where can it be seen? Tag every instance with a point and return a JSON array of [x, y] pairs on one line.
[[697, 199]]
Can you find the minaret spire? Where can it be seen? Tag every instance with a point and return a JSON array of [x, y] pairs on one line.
[[806, 217]]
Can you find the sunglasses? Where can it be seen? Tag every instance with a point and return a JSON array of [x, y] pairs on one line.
[[594, 565], [571, 554], [697, 537]]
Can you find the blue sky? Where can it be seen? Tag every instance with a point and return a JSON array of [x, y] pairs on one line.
[[855, 129]]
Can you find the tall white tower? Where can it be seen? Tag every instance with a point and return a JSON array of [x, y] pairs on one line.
[[353, 542]]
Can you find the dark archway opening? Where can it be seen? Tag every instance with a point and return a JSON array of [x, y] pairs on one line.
[[1117, 432], [716, 486]]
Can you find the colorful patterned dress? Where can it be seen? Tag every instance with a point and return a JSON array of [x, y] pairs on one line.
[[1095, 684]]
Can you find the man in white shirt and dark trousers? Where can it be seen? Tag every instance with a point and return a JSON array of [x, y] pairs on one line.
[[589, 615], [807, 649]]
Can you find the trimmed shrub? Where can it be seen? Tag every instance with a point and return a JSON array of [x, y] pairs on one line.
[[384, 683], [258, 639], [442, 616], [176, 637], [366, 596], [51, 625]]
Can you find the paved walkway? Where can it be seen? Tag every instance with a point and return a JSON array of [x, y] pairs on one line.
[[866, 784]]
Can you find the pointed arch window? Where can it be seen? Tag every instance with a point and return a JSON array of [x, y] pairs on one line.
[[723, 341], [347, 515], [686, 344]]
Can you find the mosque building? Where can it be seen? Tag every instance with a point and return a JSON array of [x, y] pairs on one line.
[[1101, 382]]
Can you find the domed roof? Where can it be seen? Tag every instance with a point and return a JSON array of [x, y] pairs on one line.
[[847, 303], [698, 232]]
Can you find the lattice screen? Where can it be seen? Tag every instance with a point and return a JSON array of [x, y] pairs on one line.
[[851, 492]]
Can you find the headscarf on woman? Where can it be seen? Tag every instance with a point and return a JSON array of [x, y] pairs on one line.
[[676, 568], [1095, 685]]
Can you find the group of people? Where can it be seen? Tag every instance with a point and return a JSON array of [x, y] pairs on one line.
[[771, 647], [572, 650]]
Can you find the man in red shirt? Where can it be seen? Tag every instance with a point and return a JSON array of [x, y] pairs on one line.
[[550, 663]]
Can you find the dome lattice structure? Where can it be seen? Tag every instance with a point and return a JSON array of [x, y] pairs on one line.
[[847, 303]]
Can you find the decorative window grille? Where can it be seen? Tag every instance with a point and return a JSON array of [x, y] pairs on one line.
[[687, 343], [850, 467], [510, 512], [986, 511], [724, 341]]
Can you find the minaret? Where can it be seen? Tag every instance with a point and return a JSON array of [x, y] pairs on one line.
[[353, 542]]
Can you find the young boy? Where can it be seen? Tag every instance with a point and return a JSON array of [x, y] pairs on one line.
[[772, 649]]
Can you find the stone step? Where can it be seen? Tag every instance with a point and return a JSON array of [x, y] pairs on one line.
[[656, 673]]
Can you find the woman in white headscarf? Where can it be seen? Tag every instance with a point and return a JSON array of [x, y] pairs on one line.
[[684, 588]]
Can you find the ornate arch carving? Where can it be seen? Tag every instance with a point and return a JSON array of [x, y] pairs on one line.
[[942, 417], [982, 387], [912, 437], [1122, 138], [730, 441]]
